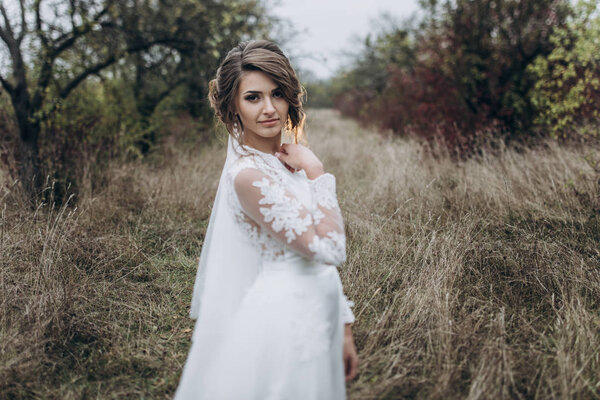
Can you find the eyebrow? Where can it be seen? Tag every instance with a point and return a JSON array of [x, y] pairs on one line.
[[258, 91]]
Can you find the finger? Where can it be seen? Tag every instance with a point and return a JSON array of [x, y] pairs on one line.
[[354, 367], [348, 368], [282, 156], [284, 159]]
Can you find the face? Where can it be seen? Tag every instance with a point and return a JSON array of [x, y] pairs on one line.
[[261, 106]]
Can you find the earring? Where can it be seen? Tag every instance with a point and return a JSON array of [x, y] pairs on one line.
[[235, 129]]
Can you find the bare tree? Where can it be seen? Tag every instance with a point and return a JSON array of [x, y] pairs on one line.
[[92, 29]]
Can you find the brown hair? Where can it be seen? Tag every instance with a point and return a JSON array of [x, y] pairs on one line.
[[256, 55]]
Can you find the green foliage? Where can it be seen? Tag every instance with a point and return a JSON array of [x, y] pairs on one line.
[[96, 124], [203, 32], [358, 88], [318, 95], [566, 91], [393, 43], [147, 48], [462, 72]]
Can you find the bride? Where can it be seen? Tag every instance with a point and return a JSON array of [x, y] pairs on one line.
[[272, 321]]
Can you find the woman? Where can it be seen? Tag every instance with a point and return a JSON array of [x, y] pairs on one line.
[[272, 320]]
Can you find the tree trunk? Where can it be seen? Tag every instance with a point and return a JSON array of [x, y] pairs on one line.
[[29, 169], [28, 157]]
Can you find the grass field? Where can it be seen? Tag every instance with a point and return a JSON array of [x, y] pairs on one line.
[[477, 279]]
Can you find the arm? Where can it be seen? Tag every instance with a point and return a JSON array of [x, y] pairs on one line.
[[347, 314], [316, 232], [349, 354], [297, 156]]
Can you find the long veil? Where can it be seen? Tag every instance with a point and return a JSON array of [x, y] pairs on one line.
[[228, 264], [227, 268]]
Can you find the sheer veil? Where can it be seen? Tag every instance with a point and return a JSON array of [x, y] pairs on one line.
[[228, 264]]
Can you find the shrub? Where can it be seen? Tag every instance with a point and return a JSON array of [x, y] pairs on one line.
[[567, 91], [465, 71]]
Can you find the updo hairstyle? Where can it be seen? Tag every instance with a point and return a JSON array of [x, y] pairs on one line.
[[255, 55]]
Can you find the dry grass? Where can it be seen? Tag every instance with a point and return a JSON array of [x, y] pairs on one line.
[[477, 280], [95, 299]]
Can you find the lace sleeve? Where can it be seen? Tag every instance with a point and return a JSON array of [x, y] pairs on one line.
[[325, 204], [346, 306], [315, 232]]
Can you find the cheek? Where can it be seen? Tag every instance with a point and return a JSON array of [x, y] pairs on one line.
[[283, 107], [246, 111]]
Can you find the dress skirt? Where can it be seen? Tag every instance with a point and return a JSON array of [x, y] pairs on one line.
[[284, 343]]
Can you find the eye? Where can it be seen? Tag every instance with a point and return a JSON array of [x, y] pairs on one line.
[[278, 94], [251, 97]]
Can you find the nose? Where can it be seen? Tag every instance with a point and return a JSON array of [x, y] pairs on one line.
[[269, 108]]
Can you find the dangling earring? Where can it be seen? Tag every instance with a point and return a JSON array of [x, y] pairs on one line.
[[235, 129]]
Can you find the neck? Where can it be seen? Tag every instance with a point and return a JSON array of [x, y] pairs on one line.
[[266, 145]]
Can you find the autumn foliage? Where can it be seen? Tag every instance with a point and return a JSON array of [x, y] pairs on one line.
[[471, 68]]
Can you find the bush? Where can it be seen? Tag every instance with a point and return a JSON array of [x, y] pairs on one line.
[[8, 131], [464, 72], [96, 124], [567, 91]]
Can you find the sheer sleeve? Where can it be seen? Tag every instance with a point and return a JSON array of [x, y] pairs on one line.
[[315, 232], [346, 307]]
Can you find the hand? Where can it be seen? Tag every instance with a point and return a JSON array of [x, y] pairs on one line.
[[350, 355], [296, 157]]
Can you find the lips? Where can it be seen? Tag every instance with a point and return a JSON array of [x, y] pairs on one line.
[[269, 123]]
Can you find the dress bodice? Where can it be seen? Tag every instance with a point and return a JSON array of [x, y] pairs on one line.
[[285, 214]]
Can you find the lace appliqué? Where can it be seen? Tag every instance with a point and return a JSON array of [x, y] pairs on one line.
[[330, 249], [284, 212], [323, 191], [317, 216], [269, 247]]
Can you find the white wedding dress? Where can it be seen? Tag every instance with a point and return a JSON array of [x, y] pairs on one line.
[[282, 336]]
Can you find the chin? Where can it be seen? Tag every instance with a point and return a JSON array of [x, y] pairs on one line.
[[270, 132]]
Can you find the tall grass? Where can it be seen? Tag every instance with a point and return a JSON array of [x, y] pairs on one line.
[[94, 298], [477, 279]]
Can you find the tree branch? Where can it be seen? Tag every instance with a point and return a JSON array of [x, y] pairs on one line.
[[53, 53], [7, 27], [6, 85], [23, 22], [166, 92], [4, 36], [76, 33], [6, 31], [18, 65], [94, 69], [38, 24], [72, 14]]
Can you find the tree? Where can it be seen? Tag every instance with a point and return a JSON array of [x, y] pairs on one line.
[[462, 72], [202, 33], [54, 46], [567, 91], [35, 92]]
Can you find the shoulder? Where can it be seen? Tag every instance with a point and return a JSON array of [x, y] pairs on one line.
[[248, 169], [241, 164], [251, 178], [247, 176]]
